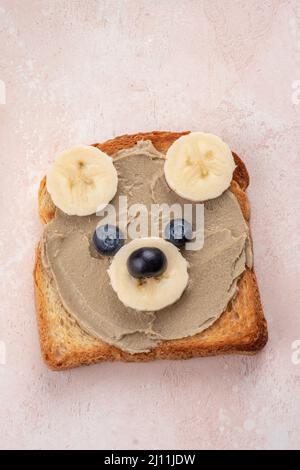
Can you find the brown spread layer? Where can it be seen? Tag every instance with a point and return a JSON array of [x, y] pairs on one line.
[[81, 278]]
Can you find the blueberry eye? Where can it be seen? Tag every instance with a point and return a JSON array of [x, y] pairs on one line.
[[178, 232], [147, 262], [108, 239]]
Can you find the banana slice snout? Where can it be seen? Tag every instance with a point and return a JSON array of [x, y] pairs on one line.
[[199, 166], [82, 180], [153, 293]]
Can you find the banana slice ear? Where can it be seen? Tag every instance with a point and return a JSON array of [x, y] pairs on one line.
[[199, 166], [82, 180]]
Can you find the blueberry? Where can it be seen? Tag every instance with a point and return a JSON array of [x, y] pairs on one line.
[[146, 262], [178, 232], [108, 239]]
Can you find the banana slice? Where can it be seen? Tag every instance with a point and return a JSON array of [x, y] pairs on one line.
[[149, 294], [82, 180], [199, 166]]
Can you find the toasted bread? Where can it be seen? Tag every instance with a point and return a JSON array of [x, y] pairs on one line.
[[241, 329]]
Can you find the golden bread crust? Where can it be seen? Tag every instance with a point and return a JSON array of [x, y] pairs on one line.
[[241, 329]]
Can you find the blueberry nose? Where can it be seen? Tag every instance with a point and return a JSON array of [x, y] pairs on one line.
[[147, 262]]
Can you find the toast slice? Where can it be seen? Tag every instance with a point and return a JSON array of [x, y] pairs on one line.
[[241, 329]]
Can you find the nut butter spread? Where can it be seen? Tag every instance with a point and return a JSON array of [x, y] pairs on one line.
[[80, 274]]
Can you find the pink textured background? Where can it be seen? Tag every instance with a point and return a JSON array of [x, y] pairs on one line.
[[86, 70]]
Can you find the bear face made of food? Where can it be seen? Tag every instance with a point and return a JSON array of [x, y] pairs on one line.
[[134, 289]]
